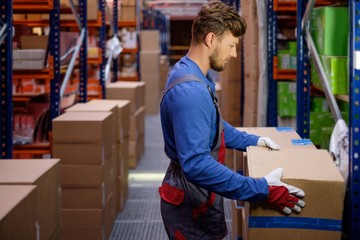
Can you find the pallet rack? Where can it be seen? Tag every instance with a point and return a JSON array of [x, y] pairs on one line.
[[51, 73], [351, 225]]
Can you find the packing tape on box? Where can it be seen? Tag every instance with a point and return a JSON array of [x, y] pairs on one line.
[[295, 222], [285, 129], [297, 142]]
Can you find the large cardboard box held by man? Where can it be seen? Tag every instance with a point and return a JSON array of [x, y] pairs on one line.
[[308, 169]]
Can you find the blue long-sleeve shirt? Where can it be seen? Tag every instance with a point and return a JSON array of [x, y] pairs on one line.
[[188, 119]]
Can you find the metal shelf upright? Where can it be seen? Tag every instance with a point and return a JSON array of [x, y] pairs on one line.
[[354, 121], [102, 43], [302, 76], [272, 50], [83, 52], [6, 80], [115, 13]]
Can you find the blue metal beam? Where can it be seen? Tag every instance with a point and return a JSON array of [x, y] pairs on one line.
[[54, 49], [302, 76], [115, 64], [102, 43], [272, 49], [83, 52], [6, 112], [354, 122]]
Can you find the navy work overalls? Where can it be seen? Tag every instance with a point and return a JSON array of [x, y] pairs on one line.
[[188, 211]]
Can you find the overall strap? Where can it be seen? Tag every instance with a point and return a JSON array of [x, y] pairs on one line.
[[185, 78]]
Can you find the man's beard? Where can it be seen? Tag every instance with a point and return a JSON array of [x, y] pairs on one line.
[[214, 64]]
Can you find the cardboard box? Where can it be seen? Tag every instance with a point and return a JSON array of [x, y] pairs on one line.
[[90, 176], [84, 198], [123, 158], [100, 106], [272, 132], [136, 150], [314, 172], [28, 64], [83, 153], [29, 54], [123, 192], [45, 174], [149, 40], [127, 13], [137, 124], [90, 219], [84, 127], [131, 91], [150, 61], [33, 42], [18, 212], [123, 114]]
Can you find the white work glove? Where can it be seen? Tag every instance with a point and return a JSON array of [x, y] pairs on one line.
[[267, 142], [282, 195]]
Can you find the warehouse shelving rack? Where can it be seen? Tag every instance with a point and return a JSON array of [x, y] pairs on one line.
[[352, 210], [50, 7], [274, 8]]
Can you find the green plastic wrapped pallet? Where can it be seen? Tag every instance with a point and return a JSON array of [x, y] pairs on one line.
[[329, 27]]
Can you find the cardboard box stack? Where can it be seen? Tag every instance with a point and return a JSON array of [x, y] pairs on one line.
[[18, 218], [38, 195], [86, 144], [135, 93], [121, 113], [304, 166], [150, 68]]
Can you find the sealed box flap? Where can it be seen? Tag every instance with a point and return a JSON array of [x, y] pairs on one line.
[[25, 171]]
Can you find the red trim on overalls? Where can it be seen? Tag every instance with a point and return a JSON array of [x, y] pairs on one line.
[[178, 235], [204, 206], [171, 194]]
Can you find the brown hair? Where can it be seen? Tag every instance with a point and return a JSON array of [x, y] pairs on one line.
[[217, 17]]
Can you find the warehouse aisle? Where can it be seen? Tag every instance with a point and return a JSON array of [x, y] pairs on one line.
[[141, 217]]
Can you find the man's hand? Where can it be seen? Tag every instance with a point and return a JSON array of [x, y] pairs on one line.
[[267, 142], [282, 195]]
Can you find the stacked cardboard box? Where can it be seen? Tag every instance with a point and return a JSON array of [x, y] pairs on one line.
[[135, 93], [86, 144], [304, 166], [46, 205], [18, 218], [311, 170], [150, 68], [121, 111]]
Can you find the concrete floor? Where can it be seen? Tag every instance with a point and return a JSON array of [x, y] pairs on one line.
[[141, 218]]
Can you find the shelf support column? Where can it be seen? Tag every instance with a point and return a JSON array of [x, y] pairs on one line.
[[354, 122], [302, 76], [6, 109], [272, 87]]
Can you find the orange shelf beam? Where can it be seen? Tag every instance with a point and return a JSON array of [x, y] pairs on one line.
[[41, 74], [32, 6], [134, 78], [130, 50], [32, 149], [281, 5], [283, 74], [127, 24]]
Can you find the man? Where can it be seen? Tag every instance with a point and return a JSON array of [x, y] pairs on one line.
[[196, 136]]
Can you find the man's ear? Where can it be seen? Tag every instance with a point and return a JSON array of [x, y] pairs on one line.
[[210, 39]]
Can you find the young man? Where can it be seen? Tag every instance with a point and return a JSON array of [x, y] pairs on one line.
[[195, 137]]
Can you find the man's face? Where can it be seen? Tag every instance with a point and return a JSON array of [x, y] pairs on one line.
[[223, 51]]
